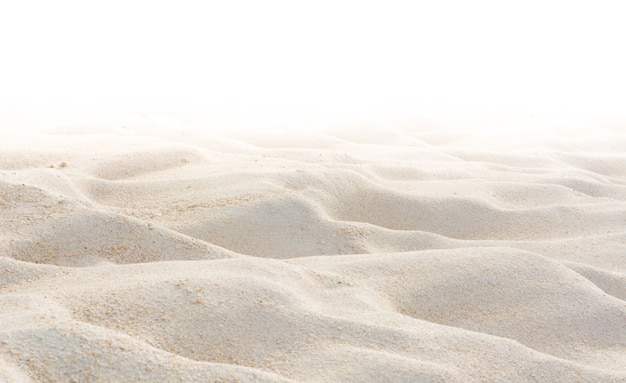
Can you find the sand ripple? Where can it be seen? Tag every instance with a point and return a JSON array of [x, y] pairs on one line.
[[316, 258]]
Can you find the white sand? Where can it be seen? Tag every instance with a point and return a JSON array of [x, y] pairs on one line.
[[365, 254]]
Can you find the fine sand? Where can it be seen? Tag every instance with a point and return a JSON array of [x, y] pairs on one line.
[[361, 253]]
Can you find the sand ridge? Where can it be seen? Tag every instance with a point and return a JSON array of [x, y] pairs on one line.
[[332, 256]]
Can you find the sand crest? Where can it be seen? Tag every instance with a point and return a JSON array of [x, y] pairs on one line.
[[336, 255]]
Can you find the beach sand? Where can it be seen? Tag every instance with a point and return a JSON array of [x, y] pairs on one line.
[[138, 253]]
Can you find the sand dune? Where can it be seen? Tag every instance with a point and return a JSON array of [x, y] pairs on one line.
[[345, 255]]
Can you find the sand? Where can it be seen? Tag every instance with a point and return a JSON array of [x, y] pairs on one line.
[[375, 253]]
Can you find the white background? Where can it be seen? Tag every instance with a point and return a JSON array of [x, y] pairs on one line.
[[527, 57]]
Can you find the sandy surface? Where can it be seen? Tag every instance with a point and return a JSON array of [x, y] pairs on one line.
[[368, 254]]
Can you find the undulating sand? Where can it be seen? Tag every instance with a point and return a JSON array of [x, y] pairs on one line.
[[369, 253]]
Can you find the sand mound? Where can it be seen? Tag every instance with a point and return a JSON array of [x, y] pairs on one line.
[[341, 256]]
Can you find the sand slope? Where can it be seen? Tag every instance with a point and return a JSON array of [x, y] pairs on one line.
[[336, 256]]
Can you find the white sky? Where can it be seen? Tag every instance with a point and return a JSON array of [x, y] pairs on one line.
[[526, 56]]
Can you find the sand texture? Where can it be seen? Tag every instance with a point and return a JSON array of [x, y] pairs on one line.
[[366, 254]]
